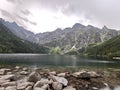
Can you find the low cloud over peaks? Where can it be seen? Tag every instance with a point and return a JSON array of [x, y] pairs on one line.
[[47, 15]]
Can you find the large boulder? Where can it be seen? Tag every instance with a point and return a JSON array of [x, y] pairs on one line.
[[41, 83], [57, 86], [85, 75], [34, 77], [24, 85], [11, 77], [61, 80]]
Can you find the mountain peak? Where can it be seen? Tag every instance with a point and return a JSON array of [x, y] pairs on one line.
[[78, 26], [105, 27]]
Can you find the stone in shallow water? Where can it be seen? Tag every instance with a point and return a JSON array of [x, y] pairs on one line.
[[11, 77], [77, 74], [69, 88], [24, 73], [4, 71], [57, 86], [93, 74], [25, 69], [117, 88], [2, 88], [37, 88], [106, 88], [17, 67], [61, 74], [52, 73], [11, 88], [3, 81], [34, 77], [85, 75], [9, 84], [29, 88], [24, 85], [41, 82], [61, 80]]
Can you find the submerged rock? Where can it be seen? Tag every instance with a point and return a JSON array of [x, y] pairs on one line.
[[57, 86], [85, 75], [61, 74], [29, 88], [2, 88], [24, 73], [11, 88], [52, 73], [11, 77], [93, 74], [41, 83], [61, 80], [6, 84], [3, 71], [34, 77], [38, 88], [24, 85]]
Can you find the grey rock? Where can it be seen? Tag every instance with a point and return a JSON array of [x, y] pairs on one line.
[[11, 77], [4, 71], [85, 75], [3, 81], [41, 83], [38, 88], [24, 73], [61, 80], [61, 74], [2, 88], [6, 84], [52, 73], [69, 88], [24, 85], [57, 86], [29, 88], [11, 88], [34, 77]]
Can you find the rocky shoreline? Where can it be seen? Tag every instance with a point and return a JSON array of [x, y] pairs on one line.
[[27, 78]]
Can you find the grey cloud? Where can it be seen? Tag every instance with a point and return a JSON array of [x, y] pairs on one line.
[[15, 1], [26, 12], [102, 12], [6, 14], [33, 23], [22, 18], [99, 11], [26, 20]]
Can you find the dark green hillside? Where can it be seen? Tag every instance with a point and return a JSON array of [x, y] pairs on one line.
[[9, 43], [109, 48]]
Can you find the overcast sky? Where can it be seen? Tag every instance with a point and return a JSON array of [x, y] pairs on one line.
[[47, 15]]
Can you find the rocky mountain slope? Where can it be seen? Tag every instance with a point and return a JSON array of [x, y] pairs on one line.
[[108, 48], [10, 43], [77, 36]]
